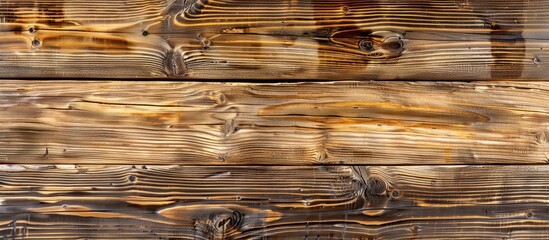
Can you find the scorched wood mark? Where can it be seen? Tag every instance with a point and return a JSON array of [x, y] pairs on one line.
[[508, 47]]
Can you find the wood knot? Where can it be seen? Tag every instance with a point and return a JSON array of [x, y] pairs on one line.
[[346, 10], [396, 193], [366, 45], [382, 44], [195, 7], [542, 137], [227, 223], [376, 186], [490, 24], [205, 42], [32, 30]]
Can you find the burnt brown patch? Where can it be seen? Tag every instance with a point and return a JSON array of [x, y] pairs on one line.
[[67, 42], [508, 47], [507, 53], [51, 14], [16, 15]]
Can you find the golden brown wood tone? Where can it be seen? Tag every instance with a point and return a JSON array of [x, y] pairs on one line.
[[81, 122], [336, 202], [275, 39]]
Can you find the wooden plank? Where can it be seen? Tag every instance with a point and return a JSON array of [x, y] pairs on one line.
[[387, 123], [83, 15], [359, 202], [333, 40], [333, 18]]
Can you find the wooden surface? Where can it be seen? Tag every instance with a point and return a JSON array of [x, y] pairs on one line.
[[264, 119], [280, 39], [87, 122], [332, 202]]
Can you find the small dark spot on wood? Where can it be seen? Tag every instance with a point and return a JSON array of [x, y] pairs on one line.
[[529, 214], [415, 228], [205, 42], [536, 60], [145, 33], [133, 166], [346, 10], [46, 153], [395, 193], [143, 167], [36, 43], [32, 30], [132, 178], [490, 24], [366, 45], [65, 206]]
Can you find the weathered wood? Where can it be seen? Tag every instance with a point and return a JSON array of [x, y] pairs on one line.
[[264, 39], [384, 123], [332, 18], [82, 15], [68, 201]]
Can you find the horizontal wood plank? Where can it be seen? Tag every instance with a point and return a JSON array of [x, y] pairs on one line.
[[359, 202], [333, 18], [260, 39], [387, 123]]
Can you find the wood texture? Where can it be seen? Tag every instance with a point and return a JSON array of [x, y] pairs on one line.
[[387, 123], [339, 202], [282, 39]]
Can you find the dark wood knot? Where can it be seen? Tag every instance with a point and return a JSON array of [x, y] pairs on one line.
[[376, 186], [227, 223]]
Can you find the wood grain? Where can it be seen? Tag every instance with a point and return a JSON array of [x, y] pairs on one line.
[[349, 202], [387, 123], [262, 40]]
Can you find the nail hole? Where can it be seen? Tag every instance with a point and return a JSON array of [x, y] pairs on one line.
[[145, 33], [536, 60], [132, 178], [32, 30], [36, 42], [529, 214]]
